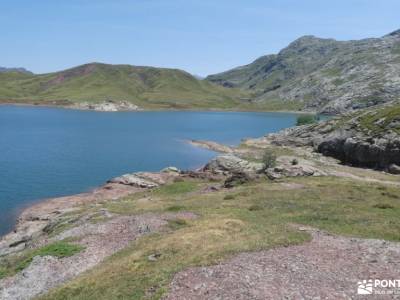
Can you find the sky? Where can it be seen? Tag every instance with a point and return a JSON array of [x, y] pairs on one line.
[[200, 36]]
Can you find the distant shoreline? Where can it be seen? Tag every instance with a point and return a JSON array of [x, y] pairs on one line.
[[70, 107]]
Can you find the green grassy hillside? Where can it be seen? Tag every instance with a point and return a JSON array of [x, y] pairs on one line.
[[146, 87]]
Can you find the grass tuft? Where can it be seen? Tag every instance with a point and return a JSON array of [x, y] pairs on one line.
[[19, 262], [177, 223]]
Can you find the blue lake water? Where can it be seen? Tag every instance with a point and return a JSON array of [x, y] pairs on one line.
[[50, 152]]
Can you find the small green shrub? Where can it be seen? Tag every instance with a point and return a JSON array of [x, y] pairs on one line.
[[255, 208], [294, 162], [229, 197], [383, 206], [306, 119], [269, 159], [175, 208], [3, 272], [390, 195], [177, 223]]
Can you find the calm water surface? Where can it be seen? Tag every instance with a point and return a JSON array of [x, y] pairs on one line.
[[50, 152]]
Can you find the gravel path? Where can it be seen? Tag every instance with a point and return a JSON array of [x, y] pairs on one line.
[[328, 267]]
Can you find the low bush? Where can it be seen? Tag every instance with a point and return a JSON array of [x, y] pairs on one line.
[[269, 159], [175, 208], [177, 223], [306, 119], [383, 206]]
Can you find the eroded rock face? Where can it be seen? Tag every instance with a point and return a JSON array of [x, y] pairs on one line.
[[374, 153], [366, 139]]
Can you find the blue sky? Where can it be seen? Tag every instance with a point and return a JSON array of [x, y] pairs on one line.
[[199, 36]]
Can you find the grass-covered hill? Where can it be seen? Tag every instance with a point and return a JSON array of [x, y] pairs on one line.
[[146, 87], [322, 74]]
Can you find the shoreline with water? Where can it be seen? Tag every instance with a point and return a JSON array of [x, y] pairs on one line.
[[85, 108]]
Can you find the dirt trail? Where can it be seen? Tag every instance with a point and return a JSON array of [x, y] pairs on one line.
[[365, 179], [328, 267]]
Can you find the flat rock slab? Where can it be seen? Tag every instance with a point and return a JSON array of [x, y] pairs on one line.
[[328, 267]]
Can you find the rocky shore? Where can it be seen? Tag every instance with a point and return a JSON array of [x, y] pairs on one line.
[[41, 218], [107, 106]]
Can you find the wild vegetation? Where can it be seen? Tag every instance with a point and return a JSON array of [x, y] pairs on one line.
[[269, 159], [306, 119]]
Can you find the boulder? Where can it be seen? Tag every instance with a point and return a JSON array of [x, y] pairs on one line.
[[134, 180], [293, 171], [19, 239], [237, 179], [230, 164], [170, 170], [286, 169], [394, 169]]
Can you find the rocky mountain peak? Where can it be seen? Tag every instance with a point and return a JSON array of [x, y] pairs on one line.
[[395, 33], [323, 74], [309, 40]]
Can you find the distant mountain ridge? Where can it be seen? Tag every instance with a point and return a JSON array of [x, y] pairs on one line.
[[322, 74], [146, 87], [310, 74], [17, 70]]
